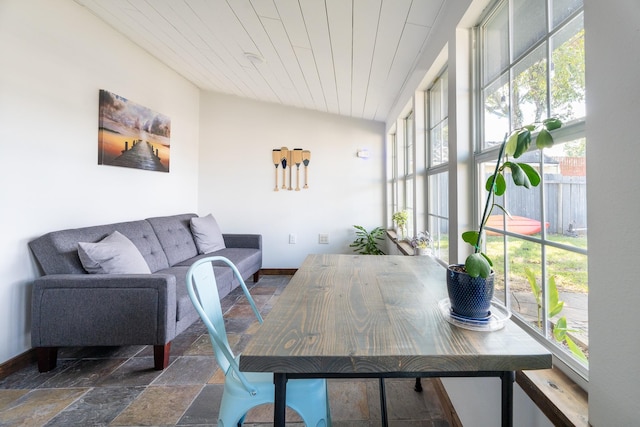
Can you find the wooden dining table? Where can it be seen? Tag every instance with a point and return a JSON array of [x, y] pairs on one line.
[[366, 316]]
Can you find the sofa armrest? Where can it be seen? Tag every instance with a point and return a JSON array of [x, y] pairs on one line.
[[103, 309], [253, 241]]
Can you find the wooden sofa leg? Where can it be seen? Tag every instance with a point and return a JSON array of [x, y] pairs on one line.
[[47, 358], [256, 276], [161, 356]]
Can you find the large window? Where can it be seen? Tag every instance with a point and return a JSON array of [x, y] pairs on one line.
[[531, 56], [437, 173]]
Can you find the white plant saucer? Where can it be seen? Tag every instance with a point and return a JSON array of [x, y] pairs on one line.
[[498, 316]]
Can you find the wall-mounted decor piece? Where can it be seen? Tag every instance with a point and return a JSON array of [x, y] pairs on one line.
[[132, 136], [285, 157]]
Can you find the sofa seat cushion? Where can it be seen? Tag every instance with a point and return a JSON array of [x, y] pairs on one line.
[[184, 306], [246, 260]]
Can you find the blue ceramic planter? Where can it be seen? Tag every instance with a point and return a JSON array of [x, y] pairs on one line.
[[469, 297]]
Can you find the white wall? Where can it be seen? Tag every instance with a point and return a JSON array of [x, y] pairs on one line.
[[54, 58], [237, 176], [613, 107]]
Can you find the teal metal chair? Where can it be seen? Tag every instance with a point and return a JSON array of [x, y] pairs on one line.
[[246, 390]]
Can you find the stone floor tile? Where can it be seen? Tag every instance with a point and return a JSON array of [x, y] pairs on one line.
[[7, 397], [204, 409], [99, 406], [84, 373], [30, 378], [218, 377], [158, 406], [238, 325], [137, 371], [348, 400], [264, 414], [200, 347], [39, 406], [187, 370]]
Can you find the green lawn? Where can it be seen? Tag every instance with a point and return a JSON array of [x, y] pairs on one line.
[[570, 268]]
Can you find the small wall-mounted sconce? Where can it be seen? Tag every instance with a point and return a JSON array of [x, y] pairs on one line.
[[363, 153]]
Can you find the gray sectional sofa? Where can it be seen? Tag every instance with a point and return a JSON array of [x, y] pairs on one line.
[[71, 307]]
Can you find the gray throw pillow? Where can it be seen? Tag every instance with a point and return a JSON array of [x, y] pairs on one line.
[[115, 254], [207, 234]]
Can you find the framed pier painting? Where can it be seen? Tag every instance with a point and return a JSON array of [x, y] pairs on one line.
[[132, 136]]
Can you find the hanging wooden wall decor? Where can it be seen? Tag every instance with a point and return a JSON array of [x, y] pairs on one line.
[[288, 158]]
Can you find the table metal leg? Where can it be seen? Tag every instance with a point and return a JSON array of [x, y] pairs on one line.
[[280, 399], [383, 404], [507, 379]]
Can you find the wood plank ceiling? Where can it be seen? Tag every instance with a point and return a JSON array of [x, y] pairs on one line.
[[347, 57]]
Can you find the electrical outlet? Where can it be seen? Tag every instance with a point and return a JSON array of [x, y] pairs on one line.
[[292, 239], [323, 239]]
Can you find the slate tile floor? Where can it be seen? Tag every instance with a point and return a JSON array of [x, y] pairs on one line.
[[117, 386]]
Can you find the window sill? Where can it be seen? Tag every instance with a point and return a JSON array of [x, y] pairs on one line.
[[403, 245], [561, 400], [557, 396]]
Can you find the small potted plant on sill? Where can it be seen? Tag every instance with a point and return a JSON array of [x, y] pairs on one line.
[[422, 243], [400, 218], [470, 285]]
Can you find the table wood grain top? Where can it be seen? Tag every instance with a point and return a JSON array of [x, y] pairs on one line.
[[365, 314]]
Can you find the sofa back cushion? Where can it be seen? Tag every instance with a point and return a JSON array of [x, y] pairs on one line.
[[174, 235], [57, 252]]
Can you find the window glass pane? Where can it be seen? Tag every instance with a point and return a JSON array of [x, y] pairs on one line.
[[567, 78], [439, 145], [439, 214], [409, 166], [529, 24], [496, 44], [569, 272], [562, 9], [496, 112], [435, 103], [566, 193], [523, 259], [529, 88], [438, 122]]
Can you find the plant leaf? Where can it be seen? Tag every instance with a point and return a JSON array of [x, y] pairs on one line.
[[531, 277], [555, 305], [477, 265], [552, 123], [544, 139], [499, 187], [512, 144], [532, 174], [471, 237], [524, 140], [560, 330], [577, 351], [519, 177]]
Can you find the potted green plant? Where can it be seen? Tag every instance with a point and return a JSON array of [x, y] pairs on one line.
[[366, 242], [470, 285], [400, 218]]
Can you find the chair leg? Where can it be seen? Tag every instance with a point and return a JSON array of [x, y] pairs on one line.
[[47, 358], [161, 356]]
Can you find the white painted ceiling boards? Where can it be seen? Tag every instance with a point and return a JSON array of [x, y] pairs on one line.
[[348, 57]]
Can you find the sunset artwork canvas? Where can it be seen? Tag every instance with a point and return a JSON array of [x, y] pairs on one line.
[[132, 136]]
